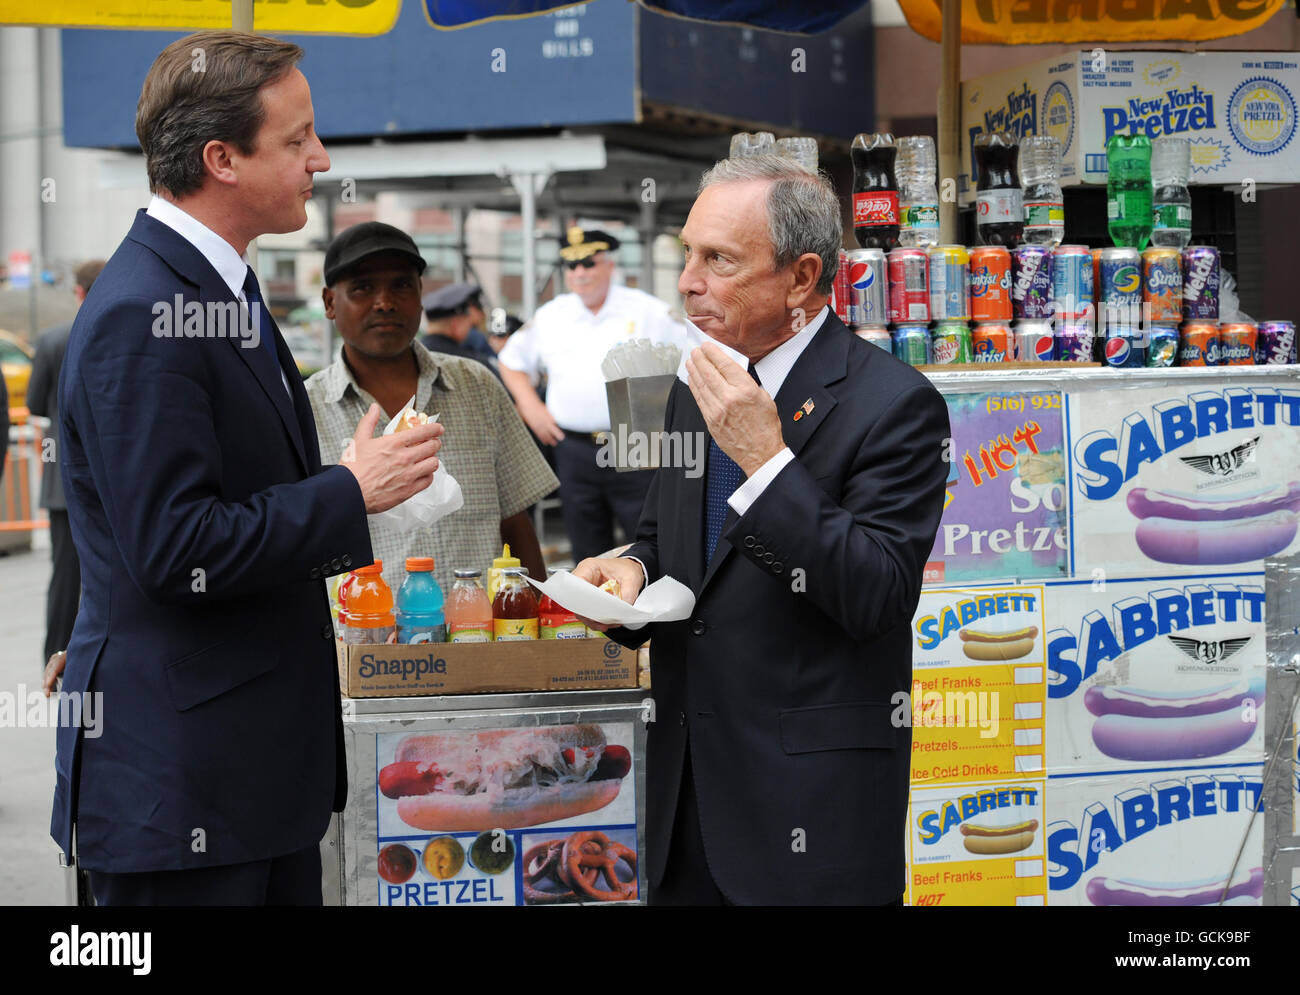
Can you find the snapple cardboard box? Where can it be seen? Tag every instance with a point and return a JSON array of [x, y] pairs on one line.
[[392, 671], [1237, 109]]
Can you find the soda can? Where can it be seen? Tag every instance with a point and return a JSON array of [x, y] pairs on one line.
[[912, 344], [1034, 341], [1200, 283], [1199, 344], [1031, 281], [865, 287], [1162, 285], [1119, 298], [1124, 346], [1162, 347], [1072, 282], [1276, 344], [951, 343], [991, 342], [1074, 343], [909, 286], [949, 283], [990, 283], [877, 335], [1237, 343], [840, 289]]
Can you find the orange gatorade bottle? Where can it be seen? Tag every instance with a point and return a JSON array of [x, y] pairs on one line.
[[369, 607]]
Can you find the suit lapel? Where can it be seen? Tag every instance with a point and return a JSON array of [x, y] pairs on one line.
[[691, 532], [189, 263], [802, 404]]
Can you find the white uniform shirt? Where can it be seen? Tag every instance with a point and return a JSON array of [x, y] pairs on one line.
[[567, 341]]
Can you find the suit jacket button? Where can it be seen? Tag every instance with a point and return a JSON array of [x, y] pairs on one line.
[[698, 627], [336, 566], [315, 573], [347, 560], [327, 631], [768, 557], [759, 550], [777, 566], [681, 718], [749, 541]]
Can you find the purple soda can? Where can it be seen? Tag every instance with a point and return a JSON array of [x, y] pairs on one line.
[[1074, 343], [1031, 281], [1275, 344], [1200, 283]]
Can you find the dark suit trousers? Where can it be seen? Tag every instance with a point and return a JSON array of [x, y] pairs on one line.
[[293, 879], [64, 595], [687, 880]]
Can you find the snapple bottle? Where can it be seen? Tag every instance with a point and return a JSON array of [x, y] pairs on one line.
[[514, 610], [557, 622], [468, 610]]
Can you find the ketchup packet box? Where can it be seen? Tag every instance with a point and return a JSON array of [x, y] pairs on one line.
[[402, 670]]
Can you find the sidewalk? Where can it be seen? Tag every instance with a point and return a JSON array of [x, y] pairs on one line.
[[29, 867]]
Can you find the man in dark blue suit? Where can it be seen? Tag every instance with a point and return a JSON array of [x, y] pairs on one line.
[[776, 771], [204, 521]]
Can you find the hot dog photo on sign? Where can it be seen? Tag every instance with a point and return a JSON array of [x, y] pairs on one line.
[[1160, 672], [1184, 481]]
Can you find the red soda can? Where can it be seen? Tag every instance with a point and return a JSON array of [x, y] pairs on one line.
[[990, 283], [909, 286], [991, 342], [1237, 343], [1162, 285], [840, 289], [1199, 344]]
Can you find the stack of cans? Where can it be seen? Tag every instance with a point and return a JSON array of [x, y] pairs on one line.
[[1072, 302], [1199, 343]]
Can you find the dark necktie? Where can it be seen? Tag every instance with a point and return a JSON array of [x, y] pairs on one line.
[[260, 319], [722, 479]]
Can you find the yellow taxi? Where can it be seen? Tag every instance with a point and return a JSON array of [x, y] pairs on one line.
[[16, 362]]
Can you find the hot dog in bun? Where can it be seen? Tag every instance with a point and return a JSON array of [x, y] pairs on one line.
[[409, 419], [998, 645], [470, 781], [999, 839]]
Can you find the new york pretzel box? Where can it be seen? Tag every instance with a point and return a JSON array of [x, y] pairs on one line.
[[403, 670]]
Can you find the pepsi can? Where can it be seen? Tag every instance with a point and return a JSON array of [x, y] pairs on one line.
[[1072, 281], [1125, 346], [1031, 281], [1034, 340], [1074, 343], [866, 287], [877, 335], [1119, 298], [1162, 345], [912, 344], [1276, 343], [949, 283], [1201, 283]]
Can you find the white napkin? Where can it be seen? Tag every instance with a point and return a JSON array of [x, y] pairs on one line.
[[696, 338], [666, 600], [423, 509]]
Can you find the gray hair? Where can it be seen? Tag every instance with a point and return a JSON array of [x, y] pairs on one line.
[[803, 213]]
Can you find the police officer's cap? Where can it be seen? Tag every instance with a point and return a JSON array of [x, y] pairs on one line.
[[579, 243], [452, 299]]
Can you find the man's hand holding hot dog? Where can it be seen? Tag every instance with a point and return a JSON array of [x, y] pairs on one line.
[[740, 415], [598, 570], [391, 468]]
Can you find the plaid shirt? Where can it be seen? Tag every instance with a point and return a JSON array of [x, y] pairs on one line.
[[485, 447]]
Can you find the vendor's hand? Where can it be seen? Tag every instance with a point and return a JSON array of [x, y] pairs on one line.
[[740, 415], [393, 467], [598, 570], [538, 418], [53, 671]]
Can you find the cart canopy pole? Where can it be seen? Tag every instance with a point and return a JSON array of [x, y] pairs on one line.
[[949, 120]]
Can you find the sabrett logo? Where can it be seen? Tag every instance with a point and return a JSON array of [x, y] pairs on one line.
[[934, 825], [934, 629]]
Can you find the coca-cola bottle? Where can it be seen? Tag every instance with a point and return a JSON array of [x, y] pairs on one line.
[[875, 191], [1000, 202]]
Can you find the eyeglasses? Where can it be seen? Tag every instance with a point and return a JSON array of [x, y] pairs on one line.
[[587, 263]]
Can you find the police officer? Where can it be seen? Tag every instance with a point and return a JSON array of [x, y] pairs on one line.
[[567, 338], [453, 315]]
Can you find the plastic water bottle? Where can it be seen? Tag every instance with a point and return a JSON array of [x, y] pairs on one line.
[[1040, 176], [420, 617], [918, 197], [1128, 190], [1171, 205]]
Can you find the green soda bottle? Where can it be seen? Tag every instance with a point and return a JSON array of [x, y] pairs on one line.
[[1128, 190]]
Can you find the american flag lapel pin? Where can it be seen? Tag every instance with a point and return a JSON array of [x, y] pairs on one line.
[[804, 409]]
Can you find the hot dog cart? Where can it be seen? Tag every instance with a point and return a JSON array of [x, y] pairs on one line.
[[373, 856]]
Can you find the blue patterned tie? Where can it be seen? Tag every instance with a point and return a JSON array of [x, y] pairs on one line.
[[723, 477]]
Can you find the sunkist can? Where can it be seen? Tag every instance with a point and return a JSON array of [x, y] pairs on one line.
[[991, 342], [1237, 343], [909, 286], [1275, 344], [1199, 344], [912, 344], [1034, 340], [990, 283], [950, 342], [1119, 296], [1074, 342], [865, 281], [1031, 281], [949, 283], [1201, 283], [1162, 345], [1162, 285], [877, 335], [1072, 282]]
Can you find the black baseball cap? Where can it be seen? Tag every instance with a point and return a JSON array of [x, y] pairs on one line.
[[359, 242]]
